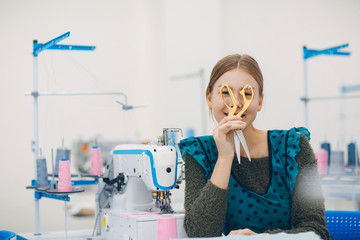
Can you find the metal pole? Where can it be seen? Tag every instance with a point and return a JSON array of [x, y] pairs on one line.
[[201, 76], [306, 96], [353, 199], [342, 127], [332, 98], [74, 94], [66, 231], [35, 142]]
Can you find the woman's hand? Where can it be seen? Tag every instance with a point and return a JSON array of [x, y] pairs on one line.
[[224, 139], [244, 231], [224, 136]]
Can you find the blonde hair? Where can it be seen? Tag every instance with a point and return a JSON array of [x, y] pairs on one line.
[[236, 61]]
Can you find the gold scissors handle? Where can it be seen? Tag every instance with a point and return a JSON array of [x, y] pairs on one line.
[[232, 109], [246, 101], [238, 134]]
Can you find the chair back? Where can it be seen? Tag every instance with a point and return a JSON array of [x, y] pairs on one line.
[[6, 235], [343, 225]]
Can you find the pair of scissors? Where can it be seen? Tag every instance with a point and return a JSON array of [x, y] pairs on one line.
[[228, 98]]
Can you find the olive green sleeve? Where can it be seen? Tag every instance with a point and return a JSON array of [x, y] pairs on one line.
[[307, 209], [205, 204]]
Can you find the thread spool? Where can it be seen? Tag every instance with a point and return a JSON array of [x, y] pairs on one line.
[[167, 228], [41, 172], [96, 162], [351, 155], [61, 153], [326, 146], [322, 160], [64, 184], [337, 165]]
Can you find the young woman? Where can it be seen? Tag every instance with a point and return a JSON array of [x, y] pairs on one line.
[[279, 190]]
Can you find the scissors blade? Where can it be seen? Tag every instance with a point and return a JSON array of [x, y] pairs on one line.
[[237, 145], [243, 143]]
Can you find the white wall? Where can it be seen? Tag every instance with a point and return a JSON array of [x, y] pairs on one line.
[[129, 58], [193, 37], [142, 46], [274, 32]]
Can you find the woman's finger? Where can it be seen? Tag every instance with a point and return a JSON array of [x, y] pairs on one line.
[[231, 126]]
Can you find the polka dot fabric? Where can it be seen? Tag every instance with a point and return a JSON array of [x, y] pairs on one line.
[[247, 209], [203, 150]]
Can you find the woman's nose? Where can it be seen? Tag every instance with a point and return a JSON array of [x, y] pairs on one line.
[[238, 101]]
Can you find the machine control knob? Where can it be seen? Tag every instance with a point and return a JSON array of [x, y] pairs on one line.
[[168, 170]]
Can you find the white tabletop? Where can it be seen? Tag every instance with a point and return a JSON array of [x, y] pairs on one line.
[[277, 236]]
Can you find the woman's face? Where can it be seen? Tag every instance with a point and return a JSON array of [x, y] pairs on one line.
[[237, 79]]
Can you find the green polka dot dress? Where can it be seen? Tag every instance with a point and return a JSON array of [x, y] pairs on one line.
[[247, 209]]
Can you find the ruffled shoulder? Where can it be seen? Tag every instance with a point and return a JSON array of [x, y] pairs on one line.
[[293, 148], [286, 145], [293, 142], [302, 130], [202, 149]]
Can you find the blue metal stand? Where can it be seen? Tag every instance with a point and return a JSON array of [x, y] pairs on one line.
[[38, 48], [52, 45], [309, 53], [39, 195], [80, 182]]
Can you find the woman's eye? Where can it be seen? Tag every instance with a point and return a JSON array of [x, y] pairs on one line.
[[248, 93], [225, 92]]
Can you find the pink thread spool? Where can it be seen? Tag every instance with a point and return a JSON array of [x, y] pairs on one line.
[[322, 159], [64, 184], [167, 228], [96, 163]]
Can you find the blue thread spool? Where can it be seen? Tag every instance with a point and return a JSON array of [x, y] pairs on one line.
[[327, 147], [351, 154]]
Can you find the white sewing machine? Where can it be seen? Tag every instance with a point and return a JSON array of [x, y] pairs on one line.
[[135, 191]]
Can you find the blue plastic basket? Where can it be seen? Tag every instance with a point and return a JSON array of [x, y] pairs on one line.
[[343, 225]]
